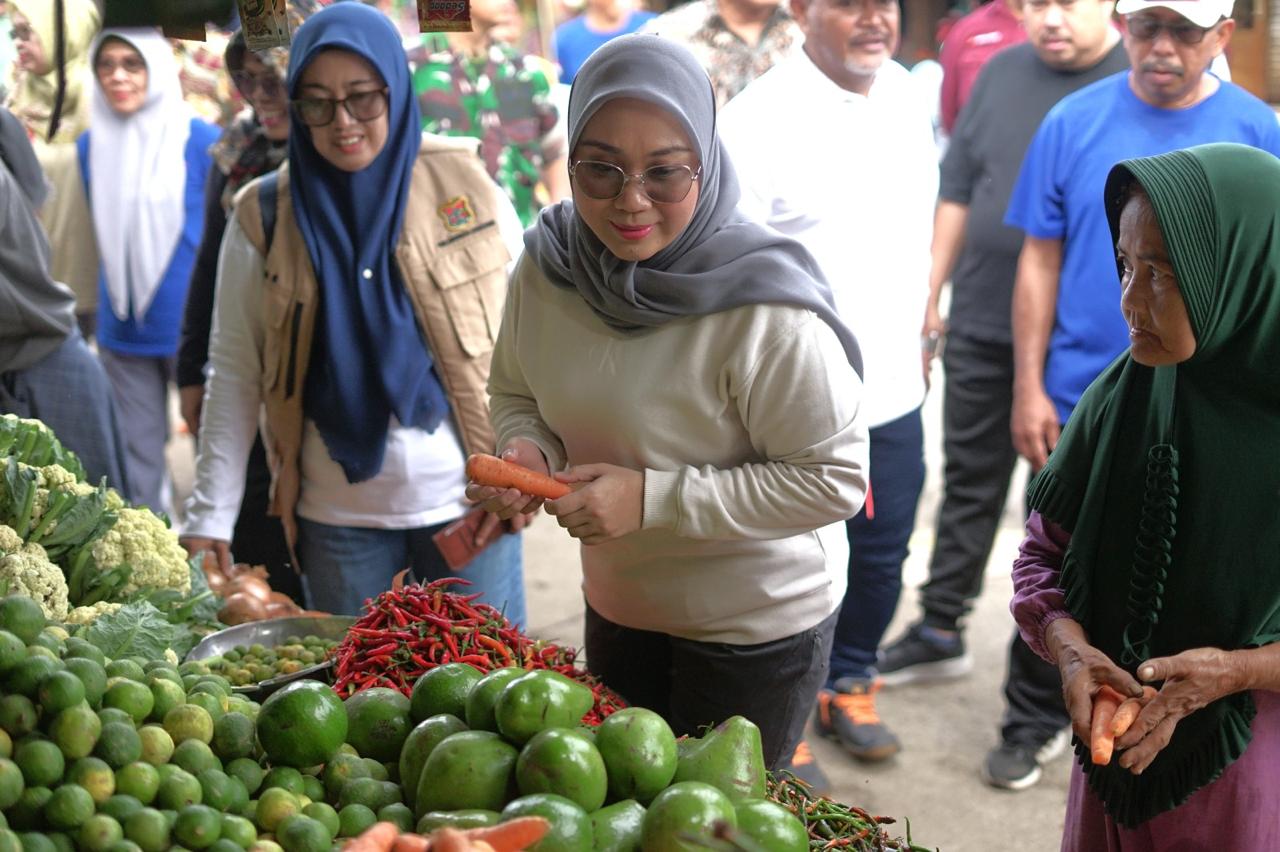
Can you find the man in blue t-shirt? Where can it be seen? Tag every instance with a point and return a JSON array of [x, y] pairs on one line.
[[1067, 323], [601, 20]]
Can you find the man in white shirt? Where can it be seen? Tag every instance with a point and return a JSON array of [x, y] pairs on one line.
[[834, 147]]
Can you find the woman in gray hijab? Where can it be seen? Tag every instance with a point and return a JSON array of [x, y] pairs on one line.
[[684, 371], [46, 370]]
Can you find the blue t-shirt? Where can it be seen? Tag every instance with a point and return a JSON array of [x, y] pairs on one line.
[[157, 334], [1059, 196], [575, 41]]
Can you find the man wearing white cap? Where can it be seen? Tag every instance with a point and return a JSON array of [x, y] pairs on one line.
[[1067, 325]]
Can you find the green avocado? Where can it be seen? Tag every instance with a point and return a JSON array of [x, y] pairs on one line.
[[729, 757]]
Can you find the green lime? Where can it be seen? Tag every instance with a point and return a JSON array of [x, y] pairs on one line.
[[95, 776], [300, 833], [59, 691], [338, 771], [238, 830], [22, 617], [12, 650], [26, 676], [165, 695], [189, 722], [119, 744], [37, 842], [149, 829], [9, 841], [157, 745], [41, 762], [195, 756], [362, 791], [92, 675], [37, 650], [313, 788], [68, 807], [197, 826], [325, 815], [18, 715], [398, 813], [180, 789], [377, 771], [354, 819], [237, 795], [124, 846], [6, 744], [443, 689], [234, 735], [222, 844], [114, 714], [77, 647], [132, 697], [274, 806], [11, 783], [214, 704], [120, 807], [127, 669], [217, 789], [248, 771], [27, 814], [76, 731], [285, 778], [302, 724], [62, 841], [98, 833], [140, 780]]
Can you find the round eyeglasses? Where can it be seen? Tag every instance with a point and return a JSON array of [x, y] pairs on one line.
[[1145, 28], [269, 84], [361, 106], [668, 184]]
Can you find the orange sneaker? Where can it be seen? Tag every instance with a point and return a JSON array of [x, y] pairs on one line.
[[847, 714], [804, 766]]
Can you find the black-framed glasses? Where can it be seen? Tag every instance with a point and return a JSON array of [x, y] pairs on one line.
[[1146, 28], [270, 85], [361, 106], [668, 184]]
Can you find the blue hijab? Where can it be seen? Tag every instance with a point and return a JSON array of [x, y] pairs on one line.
[[369, 359]]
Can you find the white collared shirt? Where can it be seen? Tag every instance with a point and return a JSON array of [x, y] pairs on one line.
[[855, 179]]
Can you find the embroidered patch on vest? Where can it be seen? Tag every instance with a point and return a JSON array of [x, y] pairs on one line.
[[456, 213]]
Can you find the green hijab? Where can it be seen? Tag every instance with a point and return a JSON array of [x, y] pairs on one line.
[[1167, 477]]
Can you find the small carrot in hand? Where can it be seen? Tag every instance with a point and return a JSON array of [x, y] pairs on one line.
[[484, 469], [512, 835], [1101, 741], [1127, 712], [377, 838]]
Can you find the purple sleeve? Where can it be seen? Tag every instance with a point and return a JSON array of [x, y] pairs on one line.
[[1037, 598]]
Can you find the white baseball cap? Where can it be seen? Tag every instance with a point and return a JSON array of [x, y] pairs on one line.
[[1202, 13]]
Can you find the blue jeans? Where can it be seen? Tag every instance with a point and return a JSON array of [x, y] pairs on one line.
[[342, 567], [878, 546]]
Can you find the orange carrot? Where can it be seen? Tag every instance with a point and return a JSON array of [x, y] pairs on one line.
[[1101, 741], [490, 470], [411, 843], [376, 838], [1127, 713], [513, 835]]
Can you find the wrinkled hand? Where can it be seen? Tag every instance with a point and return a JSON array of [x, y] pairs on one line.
[[220, 549], [1192, 679], [1084, 670], [932, 334], [508, 504], [190, 403], [1034, 426], [607, 503]]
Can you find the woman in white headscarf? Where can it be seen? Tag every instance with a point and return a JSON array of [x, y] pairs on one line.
[[144, 162]]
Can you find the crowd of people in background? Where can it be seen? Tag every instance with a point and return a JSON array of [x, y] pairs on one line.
[[270, 238]]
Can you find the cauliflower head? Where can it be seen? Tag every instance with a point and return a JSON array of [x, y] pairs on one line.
[[29, 572], [141, 540], [89, 614], [10, 541]]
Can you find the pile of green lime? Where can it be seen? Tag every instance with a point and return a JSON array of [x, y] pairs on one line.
[[245, 665]]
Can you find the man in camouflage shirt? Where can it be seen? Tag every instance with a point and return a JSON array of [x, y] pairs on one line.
[[468, 84], [734, 40]]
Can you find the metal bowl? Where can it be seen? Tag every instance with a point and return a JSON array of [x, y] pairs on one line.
[[270, 633]]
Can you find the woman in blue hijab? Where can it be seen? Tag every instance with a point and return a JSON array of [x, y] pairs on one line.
[[358, 301]]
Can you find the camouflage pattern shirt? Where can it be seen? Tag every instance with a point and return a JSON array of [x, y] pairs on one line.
[[503, 99], [729, 61]]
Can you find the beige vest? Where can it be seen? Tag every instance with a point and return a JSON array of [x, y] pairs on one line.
[[452, 258]]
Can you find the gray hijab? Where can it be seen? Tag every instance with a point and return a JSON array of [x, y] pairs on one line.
[[37, 314], [721, 261]]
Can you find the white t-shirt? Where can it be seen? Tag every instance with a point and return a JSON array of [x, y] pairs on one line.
[[855, 179]]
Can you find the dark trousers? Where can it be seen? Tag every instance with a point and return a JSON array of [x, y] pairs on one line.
[[694, 684], [258, 538], [878, 546], [977, 399], [1034, 710]]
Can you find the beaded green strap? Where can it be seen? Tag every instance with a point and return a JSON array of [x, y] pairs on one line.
[[1153, 552]]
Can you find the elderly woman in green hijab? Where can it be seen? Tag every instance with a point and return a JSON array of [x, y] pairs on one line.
[[1151, 555], [65, 215]]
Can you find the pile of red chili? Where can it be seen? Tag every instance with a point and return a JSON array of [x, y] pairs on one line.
[[406, 631]]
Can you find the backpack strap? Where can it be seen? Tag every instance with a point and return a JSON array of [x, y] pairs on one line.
[[268, 187]]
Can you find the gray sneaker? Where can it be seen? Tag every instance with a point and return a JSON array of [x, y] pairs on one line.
[[923, 654], [1017, 766]]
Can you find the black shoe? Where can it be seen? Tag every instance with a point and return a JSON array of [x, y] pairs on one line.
[[923, 654], [804, 766], [847, 714], [1017, 766]]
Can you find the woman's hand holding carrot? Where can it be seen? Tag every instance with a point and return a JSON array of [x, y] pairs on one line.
[[1085, 670], [607, 502], [507, 503]]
